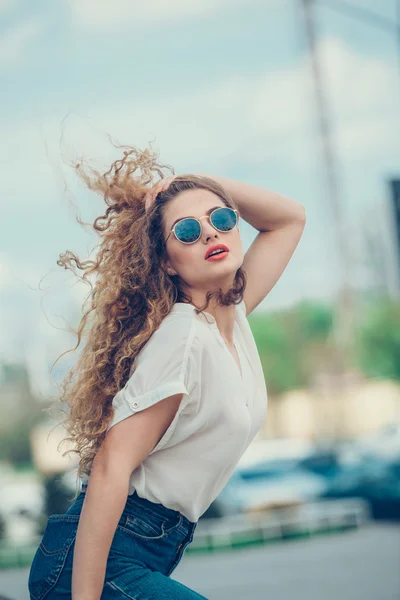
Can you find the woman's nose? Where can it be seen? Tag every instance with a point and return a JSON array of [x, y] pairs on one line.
[[208, 229]]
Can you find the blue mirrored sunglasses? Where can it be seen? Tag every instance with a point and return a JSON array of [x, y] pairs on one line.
[[188, 230]]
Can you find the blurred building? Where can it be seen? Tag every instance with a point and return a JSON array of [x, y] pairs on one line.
[[328, 413], [46, 453], [299, 417], [15, 394]]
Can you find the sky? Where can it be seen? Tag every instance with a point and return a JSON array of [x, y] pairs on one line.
[[217, 86]]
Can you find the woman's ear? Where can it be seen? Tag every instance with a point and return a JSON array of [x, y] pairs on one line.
[[168, 269]]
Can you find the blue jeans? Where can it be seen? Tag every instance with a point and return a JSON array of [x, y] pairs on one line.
[[148, 544]]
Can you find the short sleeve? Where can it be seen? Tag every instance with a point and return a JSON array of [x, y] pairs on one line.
[[161, 369]]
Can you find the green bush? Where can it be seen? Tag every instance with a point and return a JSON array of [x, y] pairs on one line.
[[378, 340], [296, 343], [292, 343]]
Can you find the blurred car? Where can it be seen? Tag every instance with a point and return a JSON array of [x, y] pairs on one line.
[[281, 483], [367, 468], [278, 483], [373, 478], [384, 443], [324, 462]]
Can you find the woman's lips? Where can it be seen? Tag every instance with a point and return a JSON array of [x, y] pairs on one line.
[[218, 256]]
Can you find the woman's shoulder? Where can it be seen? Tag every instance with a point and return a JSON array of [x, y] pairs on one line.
[[183, 330], [176, 325], [176, 333]]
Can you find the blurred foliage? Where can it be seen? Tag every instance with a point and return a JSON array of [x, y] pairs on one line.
[[57, 499], [2, 527], [20, 410], [292, 343], [378, 340], [297, 343], [57, 494], [15, 444]]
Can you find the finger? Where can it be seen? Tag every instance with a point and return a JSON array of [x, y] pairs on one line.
[[148, 201], [168, 181], [158, 187]]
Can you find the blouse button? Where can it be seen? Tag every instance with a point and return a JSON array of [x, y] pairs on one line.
[[135, 404]]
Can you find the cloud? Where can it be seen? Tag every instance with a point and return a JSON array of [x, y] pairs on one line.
[[103, 15], [6, 5], [265, 114], [15, 42], [244, 119], [363, 101], [194, 128], [35, 308], [271, 113]]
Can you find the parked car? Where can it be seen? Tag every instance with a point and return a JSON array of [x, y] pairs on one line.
[[277, 483], [373, 478], [367, 469]]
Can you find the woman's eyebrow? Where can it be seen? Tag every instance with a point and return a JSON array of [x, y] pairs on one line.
[[193, 217]]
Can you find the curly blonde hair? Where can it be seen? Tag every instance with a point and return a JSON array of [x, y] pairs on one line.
[[132, 293]]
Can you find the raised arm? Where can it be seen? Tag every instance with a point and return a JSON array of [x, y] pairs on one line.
[[280, 222]]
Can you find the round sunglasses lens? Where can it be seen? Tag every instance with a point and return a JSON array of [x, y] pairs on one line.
[[188, 230], [224, 219]]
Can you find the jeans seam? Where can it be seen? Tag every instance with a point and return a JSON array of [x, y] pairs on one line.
[[177, 526], [130, 520], [180, 550], [65, 518], [165, 532], [49, 553], [139, 536], [147, 510], [51, 581], [118, 589]]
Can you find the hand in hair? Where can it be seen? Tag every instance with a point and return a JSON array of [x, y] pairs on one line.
[[158, 187]]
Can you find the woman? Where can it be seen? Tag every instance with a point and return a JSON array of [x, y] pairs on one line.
[[169, 390]]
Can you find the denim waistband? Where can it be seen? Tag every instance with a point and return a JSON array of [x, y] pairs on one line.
[[152, 507]]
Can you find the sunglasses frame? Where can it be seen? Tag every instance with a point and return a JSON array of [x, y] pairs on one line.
[[201, 226]]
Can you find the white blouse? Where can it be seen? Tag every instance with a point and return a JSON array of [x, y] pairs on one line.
[[221, 411]]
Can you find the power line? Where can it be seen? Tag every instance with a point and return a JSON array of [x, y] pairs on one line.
[[366, 16], [363, 14]]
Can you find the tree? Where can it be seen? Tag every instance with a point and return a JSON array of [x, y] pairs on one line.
[[378, 340], [293, 344]]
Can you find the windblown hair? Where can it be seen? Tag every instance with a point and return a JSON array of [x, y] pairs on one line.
[[132, 293]]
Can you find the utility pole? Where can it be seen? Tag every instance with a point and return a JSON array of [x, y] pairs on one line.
[[344, 314], [398, 30]]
